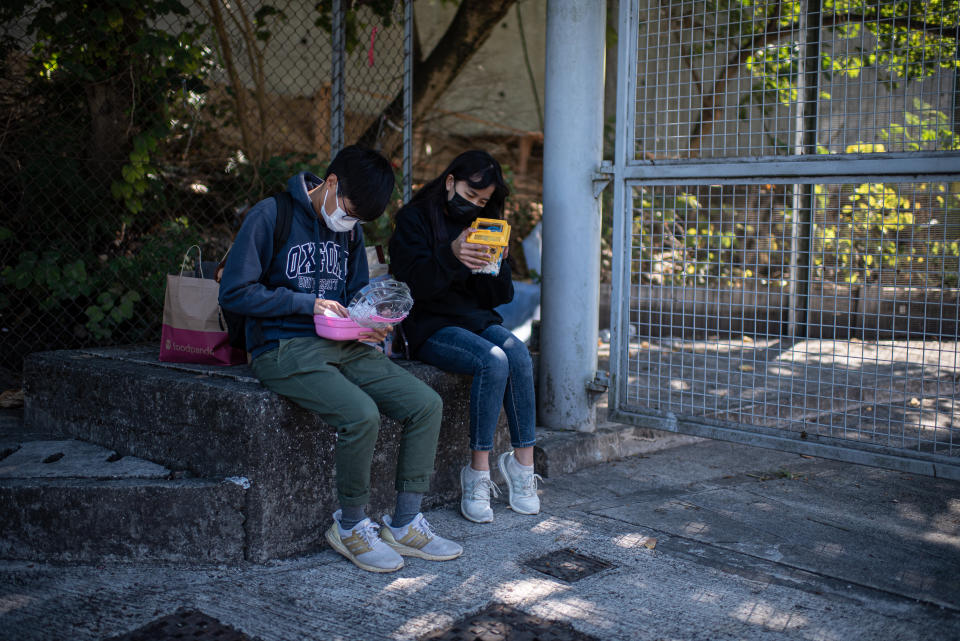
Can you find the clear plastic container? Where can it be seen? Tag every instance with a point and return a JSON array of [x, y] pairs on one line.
[[381, 304]]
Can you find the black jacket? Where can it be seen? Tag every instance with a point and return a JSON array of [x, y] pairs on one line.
[[445, 292]]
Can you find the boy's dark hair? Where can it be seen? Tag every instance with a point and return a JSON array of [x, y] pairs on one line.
[[365, 177], [480, 170]]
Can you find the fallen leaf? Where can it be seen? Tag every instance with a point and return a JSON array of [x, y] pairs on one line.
[[11, 398], [914, 402], [746, 368], [645, 345], [650, 543], [747, 339]]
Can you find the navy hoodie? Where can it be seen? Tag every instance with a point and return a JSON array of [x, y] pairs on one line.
[[314, 263]]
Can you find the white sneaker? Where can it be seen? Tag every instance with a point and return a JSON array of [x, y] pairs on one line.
[[362, 546], [475, 496], [521, 484], [417, 539]]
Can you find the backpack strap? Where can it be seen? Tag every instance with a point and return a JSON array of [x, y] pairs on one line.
[[281, 230]]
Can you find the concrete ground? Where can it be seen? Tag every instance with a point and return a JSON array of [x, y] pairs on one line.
[[704, 540]]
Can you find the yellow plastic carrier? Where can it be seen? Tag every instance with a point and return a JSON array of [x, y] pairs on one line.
[[495, 233]]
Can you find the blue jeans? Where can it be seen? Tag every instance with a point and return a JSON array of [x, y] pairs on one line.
[[502, 376]]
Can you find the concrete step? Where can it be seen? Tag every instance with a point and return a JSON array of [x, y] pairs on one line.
[[69, 500], [219, 422]]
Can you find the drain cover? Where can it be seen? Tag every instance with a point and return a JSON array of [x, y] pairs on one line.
[[185, 625], [568, 565], [499, 622]]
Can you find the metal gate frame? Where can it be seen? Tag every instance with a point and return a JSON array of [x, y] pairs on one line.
[[807, 171]]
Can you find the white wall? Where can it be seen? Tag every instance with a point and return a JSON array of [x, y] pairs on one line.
[[495, 85]]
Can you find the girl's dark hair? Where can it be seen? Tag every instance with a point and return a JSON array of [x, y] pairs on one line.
[[480, 170]]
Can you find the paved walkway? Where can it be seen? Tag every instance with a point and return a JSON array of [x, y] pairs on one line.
[[704, 541]]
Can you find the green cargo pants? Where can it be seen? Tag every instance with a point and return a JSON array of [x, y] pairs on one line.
[[348, 384]]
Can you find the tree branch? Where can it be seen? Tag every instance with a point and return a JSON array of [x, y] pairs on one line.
[[708, 111], [239, 91], [773, 33], [470, 28], [255, 60]]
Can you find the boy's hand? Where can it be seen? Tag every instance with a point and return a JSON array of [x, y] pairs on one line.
[[322, 304], [374, 335], [472, 255]]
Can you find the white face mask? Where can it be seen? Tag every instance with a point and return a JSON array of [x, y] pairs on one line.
[[335, 221]]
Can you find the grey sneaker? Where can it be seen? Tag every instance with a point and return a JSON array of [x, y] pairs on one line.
[[417, 539], [362, 546], [522, 486], [475, 497]]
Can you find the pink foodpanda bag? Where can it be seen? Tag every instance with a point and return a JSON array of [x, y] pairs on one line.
[[193, 330]]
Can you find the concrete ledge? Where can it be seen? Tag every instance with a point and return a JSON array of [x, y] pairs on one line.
[[565, 451], [84, 520], [202, 425], [218, 422]]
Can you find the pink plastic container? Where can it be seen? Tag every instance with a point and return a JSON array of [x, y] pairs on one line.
[[336, 328]]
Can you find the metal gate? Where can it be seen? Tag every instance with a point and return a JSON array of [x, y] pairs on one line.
[[786, 227]]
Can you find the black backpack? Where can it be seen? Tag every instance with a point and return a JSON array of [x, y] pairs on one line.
[[234, 323]]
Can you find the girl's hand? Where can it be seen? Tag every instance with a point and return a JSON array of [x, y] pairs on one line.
[[472, 255], [322, 304]]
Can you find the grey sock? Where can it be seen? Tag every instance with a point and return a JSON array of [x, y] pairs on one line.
[[408, 506], [351, 515]]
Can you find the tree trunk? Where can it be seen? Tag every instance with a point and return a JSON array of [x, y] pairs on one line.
[[240, 90], [470, 28], [109, 104]]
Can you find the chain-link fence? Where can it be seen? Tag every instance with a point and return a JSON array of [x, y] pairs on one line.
[[131, 133]]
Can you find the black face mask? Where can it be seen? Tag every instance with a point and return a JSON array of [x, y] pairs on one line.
[[461, 210]]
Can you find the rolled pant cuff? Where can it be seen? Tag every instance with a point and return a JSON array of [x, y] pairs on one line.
[[355, 501]]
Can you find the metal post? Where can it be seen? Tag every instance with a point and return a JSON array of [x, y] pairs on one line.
[[804, 195], [407, 100], [625, 151], [337, 95], [573, 147]]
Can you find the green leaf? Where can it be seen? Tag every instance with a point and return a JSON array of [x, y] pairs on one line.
[[94, 315]]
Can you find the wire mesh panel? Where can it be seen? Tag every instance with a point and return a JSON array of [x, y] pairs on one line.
[[268, 90], [374, 75], [717, 271], [729, 78], [784, 279], [131, 133]]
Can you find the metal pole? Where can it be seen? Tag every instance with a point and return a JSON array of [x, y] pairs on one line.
[[625, 150], [573, 148], [337, 97], [407, 100], [804, 196]]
